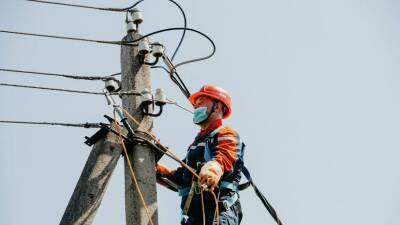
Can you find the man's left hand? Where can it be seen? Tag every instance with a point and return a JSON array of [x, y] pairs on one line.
[[210, 174]]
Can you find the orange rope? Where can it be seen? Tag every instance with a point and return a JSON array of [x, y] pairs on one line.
[[180, 161], [202, 206], [216, 206], [132, 172]]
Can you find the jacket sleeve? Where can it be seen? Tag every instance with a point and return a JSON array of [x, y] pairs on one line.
[[225, 149]]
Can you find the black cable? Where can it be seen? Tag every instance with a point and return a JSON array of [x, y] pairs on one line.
[[80, 6], [122, 10], [183, 87], [65, 38], [137, 3], [184, 31], [129, 43], [184, 24], [52, 89], [102, 78], [179, 28], [85, 125], [115, 74], [182, 84], [160, 67]]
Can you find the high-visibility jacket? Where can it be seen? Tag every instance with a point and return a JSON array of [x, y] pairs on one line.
[[222, 145]]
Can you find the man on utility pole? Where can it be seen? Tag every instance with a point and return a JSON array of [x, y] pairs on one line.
[[136, 76], [217, 155]]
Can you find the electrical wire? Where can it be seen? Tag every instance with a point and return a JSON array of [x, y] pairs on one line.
[[80, 77], [129, 43], [63, 37], [131, 92], [184, 25], [84, 125], [167, 151], [179, 82], [184, 31], [176, 104], [137, 3], [123, 10], [115, 74], [51, 89], [180, 28], [81, 6], [176, 158], [174, 76], [182, 86]]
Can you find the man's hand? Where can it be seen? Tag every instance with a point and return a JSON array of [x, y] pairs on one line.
[[164, 170], [210, 174]]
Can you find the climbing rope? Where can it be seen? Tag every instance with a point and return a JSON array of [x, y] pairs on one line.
[[167, 151], [176, 158], [202, 206]]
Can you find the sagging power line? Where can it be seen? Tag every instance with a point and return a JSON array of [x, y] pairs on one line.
[[124, 10], [128, 43], [51, 89], [85, 6], [83, 125], [77, 77]]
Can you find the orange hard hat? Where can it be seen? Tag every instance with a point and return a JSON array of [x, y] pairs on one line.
[[216, 93]]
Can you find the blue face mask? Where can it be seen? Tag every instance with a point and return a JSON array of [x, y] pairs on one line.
[[200, 115]]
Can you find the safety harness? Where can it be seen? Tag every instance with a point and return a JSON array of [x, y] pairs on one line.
[[231, 200]]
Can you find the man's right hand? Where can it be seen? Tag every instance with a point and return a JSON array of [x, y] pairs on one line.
[[165, 171]]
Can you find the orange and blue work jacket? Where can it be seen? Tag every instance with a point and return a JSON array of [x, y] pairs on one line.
[[220, 144]]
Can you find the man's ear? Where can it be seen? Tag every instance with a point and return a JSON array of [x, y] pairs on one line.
[[221, 107]]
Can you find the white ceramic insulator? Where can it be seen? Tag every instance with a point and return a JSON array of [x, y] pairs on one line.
[[160, 96], [130, 26], [144, 47], [137, 16], [111, 85], [146, 96], [158, 49]]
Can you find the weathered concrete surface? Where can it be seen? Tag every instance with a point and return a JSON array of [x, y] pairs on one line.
[[137, 77], [92, 183]]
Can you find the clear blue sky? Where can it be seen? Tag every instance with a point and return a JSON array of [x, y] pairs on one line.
[[315, 87]]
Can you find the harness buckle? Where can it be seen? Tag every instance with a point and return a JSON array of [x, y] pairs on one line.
[[226, 205]]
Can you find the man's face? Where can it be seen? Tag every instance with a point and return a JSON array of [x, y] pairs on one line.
[[203, 101]]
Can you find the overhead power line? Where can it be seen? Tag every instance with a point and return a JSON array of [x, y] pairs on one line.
[[62, 37], [84, 125], [175, 29], [128, 42], [81, 6], [51, 89], [124, 10], [78, 77], [132, 92]]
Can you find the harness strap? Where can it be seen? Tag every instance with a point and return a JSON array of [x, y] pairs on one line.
[[186, 207], [229, 202], [260, 195], [228, 185]]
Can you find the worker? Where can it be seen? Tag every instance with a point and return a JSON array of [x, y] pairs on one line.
[[217, 156]]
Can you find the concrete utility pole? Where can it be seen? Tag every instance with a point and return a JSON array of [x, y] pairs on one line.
[[136, 77], [92, 184]]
